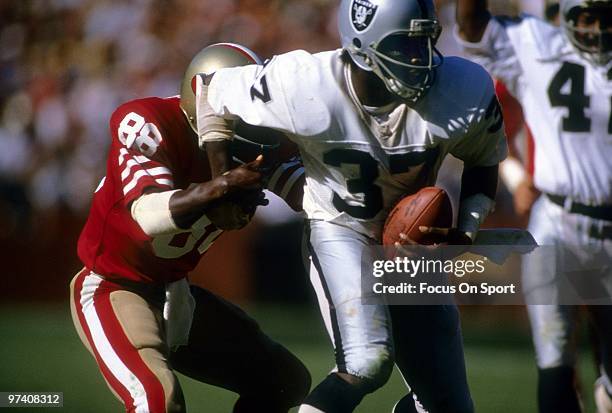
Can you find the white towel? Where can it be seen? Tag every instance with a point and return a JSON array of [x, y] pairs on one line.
[[178, 313]]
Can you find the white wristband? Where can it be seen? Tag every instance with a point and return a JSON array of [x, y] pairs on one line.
[[211, 127], [152, 213], [472, 212], [512, 173]]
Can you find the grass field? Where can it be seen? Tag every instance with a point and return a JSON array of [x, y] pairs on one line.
[[39, 351]]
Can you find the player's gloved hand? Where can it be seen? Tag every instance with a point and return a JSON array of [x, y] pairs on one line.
[[237, 213], [242, 195], [228, 216]]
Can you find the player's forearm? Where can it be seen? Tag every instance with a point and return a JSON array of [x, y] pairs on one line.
[[214, 132], [242, 184], [219, 157], [170, 212], [472, 19], [187, 206], [478, 188], [480, 179]]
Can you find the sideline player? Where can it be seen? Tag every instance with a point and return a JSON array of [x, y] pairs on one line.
[[373, 122], [517, 169], [153, 216], [563, 79]]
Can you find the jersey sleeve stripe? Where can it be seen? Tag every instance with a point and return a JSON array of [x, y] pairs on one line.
[[167, 182], [131, 164], [140, 171], [158, 170], [280, 171], [295, 176], [123, 153], [137, 177]]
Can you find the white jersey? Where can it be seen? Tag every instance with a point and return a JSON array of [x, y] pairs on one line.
[[566, 101], [357, 165]]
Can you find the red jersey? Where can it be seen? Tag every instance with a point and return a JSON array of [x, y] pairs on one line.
[[154, 149]]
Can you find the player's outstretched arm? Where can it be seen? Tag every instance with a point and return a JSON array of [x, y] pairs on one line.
[[228, 200], [241, 185], [472, 19]]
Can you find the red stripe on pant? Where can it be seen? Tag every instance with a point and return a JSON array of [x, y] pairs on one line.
[[119, 388], [128, 354]]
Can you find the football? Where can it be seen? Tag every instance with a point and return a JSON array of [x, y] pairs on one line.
[[429, 207]]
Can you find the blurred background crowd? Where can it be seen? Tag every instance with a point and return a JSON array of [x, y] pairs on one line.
[[65, 65]]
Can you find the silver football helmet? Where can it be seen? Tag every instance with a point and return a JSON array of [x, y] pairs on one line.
[[395, 39], [595, 44], [208, 60]]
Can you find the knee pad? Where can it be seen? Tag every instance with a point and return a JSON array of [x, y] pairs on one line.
[[373, 366], [334, 394]]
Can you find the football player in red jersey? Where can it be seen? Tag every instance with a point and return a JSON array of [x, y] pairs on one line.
[[153, 215]]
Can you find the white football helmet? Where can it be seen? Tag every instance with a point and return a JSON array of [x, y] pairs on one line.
[[395, 39], [594, 44], [208, 60]]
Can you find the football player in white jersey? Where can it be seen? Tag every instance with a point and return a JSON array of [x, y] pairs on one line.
[[373, 122], [563, 79]]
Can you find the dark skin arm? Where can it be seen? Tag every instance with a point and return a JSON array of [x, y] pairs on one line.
[[187, 206], [472, 19], [219, 157]]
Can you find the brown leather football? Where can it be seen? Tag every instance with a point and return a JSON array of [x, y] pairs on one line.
[[430, 207]]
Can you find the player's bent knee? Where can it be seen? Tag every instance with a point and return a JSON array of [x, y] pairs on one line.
[[285, 382], [163, 394], [169, 402], [373, 368], [294, 381]]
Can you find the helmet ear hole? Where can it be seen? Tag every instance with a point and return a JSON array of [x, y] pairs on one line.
[[193, 85], [357, 43]]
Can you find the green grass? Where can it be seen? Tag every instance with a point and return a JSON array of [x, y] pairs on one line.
[[39, 351]]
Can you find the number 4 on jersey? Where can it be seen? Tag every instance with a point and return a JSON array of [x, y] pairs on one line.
[[576, 101]]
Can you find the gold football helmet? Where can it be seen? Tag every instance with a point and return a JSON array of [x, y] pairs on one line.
[[208, 60]]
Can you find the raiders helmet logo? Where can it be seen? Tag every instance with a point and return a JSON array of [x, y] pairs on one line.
[[362, 13]]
